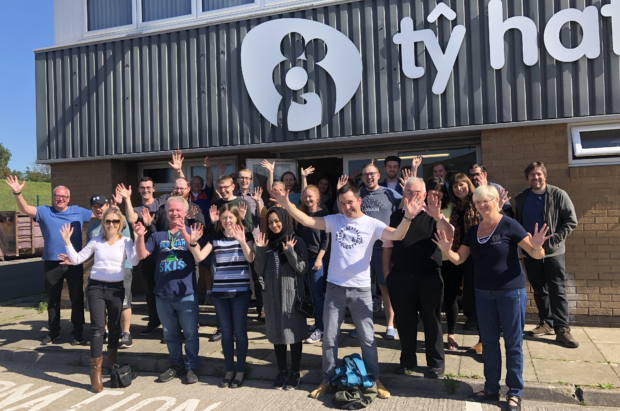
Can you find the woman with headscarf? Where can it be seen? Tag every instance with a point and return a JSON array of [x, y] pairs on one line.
[[282, 260]]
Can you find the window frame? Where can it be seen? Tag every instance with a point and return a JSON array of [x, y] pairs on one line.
[[195, 162], [579, 156], [170, 20], [110, 30], [159, 187], [257, 4]]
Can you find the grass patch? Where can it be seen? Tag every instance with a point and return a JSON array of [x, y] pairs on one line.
[[463, 376], [606, 386], [42, 307], [451, 385], [76, 363], [475, 376], [563, 382], [30, 192]]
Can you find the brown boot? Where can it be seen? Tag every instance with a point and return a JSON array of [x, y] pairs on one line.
[[95, 375], [564, 336], [112, 358]]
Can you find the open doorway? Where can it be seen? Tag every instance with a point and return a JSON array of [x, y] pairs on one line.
[[330, 167]]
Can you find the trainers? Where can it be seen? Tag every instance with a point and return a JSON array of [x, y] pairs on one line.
[[216, 336], [281, 379], [471, 323], [564, 336], [50, 340], [292, 381], [78, 342], [353, 333], [381, 391], [150, 329], [209, 299], [390, 334], [541, 329], [126, 341], [311, 329], [377, 304], [191, 377], [402, 370], [321, 390], [170, 374], [316, 336], [475, 349]]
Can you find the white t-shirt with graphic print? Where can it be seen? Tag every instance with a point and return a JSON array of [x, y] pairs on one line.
[[352, 242]]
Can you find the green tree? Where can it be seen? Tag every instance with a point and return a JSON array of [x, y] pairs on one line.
[[5, 156], [39, 173]]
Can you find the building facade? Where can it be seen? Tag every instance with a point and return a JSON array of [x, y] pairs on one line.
[[335, 84]]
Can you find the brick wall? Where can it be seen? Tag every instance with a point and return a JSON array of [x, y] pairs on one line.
[[593, 249]]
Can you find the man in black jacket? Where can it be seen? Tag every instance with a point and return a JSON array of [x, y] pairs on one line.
[[159, 221], [546, 204]]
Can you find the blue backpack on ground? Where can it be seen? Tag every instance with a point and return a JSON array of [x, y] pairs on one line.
[[354, 389]]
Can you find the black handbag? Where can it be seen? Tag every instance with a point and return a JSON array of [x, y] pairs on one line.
[[303, 305], [121, 376]]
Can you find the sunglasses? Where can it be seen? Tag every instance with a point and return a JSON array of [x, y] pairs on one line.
[[115, 222]]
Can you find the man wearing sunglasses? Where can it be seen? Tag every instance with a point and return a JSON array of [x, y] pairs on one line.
[[51, 219]]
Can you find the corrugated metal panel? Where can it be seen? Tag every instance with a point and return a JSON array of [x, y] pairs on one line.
[[184, 89], [164, 9]]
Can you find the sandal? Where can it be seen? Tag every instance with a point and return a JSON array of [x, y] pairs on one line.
[[452, 345], [483, 396], [513, 407]]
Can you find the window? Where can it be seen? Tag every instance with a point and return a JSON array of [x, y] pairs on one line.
[[595, 144], [165, 9], [211, 5], [161, 173], [105, 14]]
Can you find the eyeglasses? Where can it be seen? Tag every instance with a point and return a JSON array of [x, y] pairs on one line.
[[180, 188], [146, 188], [61, 197], [366, 175], [244, 178], [115, 222], [224, 187]]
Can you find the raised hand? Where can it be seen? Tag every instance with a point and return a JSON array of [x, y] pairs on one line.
[[406, 174], [213, 214], [355, 174], [219, 196], [538, 239], [196, 232], [503, 197], [14, 184], [415, 163], [257, 194], [207, 162], [243, 209], [261, 240], [412, 207], [442, 241], [221, 168], [278, 196], [177, 160], [116, 200], [238, 233], [66, 232], [122, 191], [290, 242], [342, 181], [269, 166], [147, 219], [307, 171], [192, 213], [178, 224], [433, 208], [138, 229], [64, 259]]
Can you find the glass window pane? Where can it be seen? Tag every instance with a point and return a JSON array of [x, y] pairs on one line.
[[202, 171], [164, 175], [355, 169], [210, 5], [103, 14], [600, 139], [457, 160], [165, 9]]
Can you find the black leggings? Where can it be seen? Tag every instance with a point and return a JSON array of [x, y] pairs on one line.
[[295, 356], [451, 284], [103, 295]]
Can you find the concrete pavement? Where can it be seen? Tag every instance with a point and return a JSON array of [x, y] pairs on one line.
[[552, 372]]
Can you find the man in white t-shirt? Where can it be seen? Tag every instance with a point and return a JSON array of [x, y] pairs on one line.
[[353, 235]]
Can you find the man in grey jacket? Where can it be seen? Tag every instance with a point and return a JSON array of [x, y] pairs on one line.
[[546, 204]]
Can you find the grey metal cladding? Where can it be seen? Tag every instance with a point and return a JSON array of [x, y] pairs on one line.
[[184, 89]]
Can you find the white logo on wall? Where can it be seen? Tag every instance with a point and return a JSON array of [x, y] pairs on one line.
[[260, 55]]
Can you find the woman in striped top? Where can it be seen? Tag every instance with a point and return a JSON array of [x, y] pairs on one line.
[[233, 249]]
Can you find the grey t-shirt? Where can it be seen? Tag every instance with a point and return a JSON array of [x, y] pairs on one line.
[[154, 206], [380, 204]]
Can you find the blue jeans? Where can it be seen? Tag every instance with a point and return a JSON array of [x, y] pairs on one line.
[[317, 282], [376, 268], [176, 313], [233, 316], [505, 309]]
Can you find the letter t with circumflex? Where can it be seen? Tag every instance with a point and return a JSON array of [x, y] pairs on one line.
[[613, 10]]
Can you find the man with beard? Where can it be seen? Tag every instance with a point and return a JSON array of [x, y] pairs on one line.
[[541, 204], [391, 166], [478, 176]]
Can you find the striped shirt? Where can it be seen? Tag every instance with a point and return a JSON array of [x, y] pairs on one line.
[[232, 271]]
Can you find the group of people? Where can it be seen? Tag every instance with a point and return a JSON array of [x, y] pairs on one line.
[[422, 242]]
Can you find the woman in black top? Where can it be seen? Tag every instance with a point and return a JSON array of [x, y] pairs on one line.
[[500, 289], [317, 242]]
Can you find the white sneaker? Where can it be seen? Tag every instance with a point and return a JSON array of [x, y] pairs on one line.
[[316, 336]]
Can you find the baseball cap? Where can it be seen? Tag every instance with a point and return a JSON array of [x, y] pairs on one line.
[[98, 199]]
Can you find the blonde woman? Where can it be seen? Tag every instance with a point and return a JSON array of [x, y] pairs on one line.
[[494, 244], [105, 288]]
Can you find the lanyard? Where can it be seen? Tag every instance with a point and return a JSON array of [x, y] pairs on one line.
[[171, 240]]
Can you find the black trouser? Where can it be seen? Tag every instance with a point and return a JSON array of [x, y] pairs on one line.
[[469, 289], [258, 289], [452, 278], [295, 356], [101, 296], [410, 295], [148, 271], [548, 279], [54, 276]]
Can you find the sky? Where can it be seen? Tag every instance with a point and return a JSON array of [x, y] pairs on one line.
[[25, 25]]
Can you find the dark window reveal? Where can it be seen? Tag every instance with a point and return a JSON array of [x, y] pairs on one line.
[[165, 9], [104, 14], [210, 5]]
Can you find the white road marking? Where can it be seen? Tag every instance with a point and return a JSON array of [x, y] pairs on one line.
[[473, 406], [122, 402], [212, 406]]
